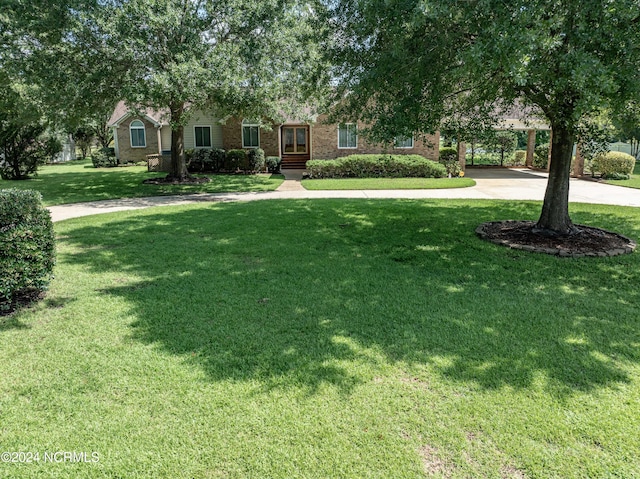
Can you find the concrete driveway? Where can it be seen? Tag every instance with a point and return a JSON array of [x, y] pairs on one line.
[[491, 183], [524, 184]]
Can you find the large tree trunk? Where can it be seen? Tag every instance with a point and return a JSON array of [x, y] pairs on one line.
[[178, 171], [554, 220]]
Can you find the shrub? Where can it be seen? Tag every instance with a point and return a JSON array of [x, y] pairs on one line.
[[101, 158], [216, 160], [376, 166], [520, 157], [614, 165], [273, 164], [27, 245], [236, 159], [541, 156], [449, 159], [256, 159], [24, 149]]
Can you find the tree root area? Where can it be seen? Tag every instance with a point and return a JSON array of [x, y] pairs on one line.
[[188, 180], [22, 299], [588, 241]]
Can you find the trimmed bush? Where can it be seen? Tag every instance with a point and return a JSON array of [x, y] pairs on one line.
[[273, 164], [256, 159], [236, 159], [205, 160], [27, 245], [520, 157], [449, 159], [376, 166], [614, 165], [102, 158], [541, 156]]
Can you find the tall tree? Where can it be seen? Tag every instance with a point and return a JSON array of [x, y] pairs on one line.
[[178, 56], [229, 55], [410, 64]]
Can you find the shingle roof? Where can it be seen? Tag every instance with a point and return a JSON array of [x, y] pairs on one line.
[[121, 112]]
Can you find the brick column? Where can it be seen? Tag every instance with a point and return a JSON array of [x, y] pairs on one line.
[[531, 146], [462, 153], [578, 166]]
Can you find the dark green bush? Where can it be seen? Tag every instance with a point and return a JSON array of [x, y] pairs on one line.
[[24, 149], [256, 160], [449, 159], [217, 158], [236, 159], [614, 165], [27, 245], [541, 156], [273, 164], [101, 158], [376, 166]]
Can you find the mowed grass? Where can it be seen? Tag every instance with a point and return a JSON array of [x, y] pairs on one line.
[[79, 181], [632, 182], [387, 183], [326, 339]]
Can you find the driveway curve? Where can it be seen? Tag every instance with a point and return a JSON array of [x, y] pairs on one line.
[[491, 183]]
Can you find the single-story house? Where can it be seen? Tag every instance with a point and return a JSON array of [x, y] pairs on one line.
[[147, 132]]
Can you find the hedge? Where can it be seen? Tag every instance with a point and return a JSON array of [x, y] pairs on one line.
[[27, 245], [614, 165], [376, 166]]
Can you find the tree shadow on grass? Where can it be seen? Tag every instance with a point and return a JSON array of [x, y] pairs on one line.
[[299, 293]]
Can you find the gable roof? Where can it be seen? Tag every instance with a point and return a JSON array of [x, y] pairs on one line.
[[122, 112]]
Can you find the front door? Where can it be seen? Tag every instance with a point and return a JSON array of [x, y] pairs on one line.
[[295, 146], [295, 140]]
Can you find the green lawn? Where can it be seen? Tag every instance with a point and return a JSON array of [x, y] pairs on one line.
[[78, 181], [326, 339], [387, 183], [633, 182]]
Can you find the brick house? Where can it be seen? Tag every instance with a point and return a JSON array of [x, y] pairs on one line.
[[137, 135]]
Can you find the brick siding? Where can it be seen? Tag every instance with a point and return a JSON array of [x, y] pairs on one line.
[[126, 152]]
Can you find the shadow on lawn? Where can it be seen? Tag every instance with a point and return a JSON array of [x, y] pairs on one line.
[[288, 293]]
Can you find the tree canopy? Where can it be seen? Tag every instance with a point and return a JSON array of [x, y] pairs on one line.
[[232, 56], [414, 65]]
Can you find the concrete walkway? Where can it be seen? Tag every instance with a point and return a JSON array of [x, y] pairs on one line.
[[502, 184]]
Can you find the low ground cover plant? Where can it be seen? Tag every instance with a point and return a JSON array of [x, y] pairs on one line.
[[376, 166]]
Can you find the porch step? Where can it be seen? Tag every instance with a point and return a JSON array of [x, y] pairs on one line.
[[293, 163]]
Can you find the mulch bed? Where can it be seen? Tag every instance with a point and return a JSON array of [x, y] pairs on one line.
[[163, 180], [589, 241], [22, 299]]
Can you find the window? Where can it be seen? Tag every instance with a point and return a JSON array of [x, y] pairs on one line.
[[347, 136], [250, 134], [403, 142], [294, 139], [203, 136], [138, 140]]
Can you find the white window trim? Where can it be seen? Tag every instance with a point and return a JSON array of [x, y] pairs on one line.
[[242, 127], [348, 147], [413, 143], [144, 129], [210, 136]]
